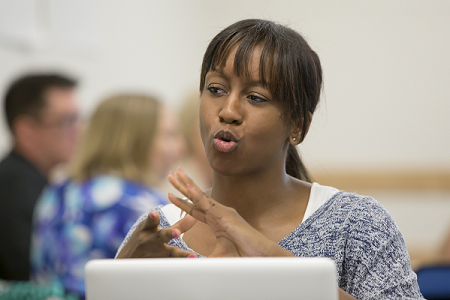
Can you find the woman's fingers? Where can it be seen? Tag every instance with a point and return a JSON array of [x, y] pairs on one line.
[[180, 181], [149, 241], [186, 180], [195, 193], [203, 202], [181, 203], [152, 221], [164, 235], [184, 224], [178, 184], [186, 186], [173, 251], [188, 207]]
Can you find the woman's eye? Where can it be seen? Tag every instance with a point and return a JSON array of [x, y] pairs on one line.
[[215, 90], [255, 98]]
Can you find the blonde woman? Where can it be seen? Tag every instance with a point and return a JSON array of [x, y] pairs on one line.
[[129, 144], [194, 161]]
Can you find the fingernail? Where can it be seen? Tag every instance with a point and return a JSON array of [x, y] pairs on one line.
[[192, 256], [180, 170], [152, 215], [170, 194], [170, 173], [175, 234], [188, 186]]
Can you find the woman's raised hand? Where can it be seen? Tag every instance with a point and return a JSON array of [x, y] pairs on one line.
[[235, 237], [147, 241]]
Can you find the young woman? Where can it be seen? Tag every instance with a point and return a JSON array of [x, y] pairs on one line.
[[260, 84], [122, 153]]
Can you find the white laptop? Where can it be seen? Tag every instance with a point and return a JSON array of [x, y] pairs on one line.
[[212, 279]]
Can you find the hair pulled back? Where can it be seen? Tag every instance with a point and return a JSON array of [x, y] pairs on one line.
[[118, 139], [288, 67]]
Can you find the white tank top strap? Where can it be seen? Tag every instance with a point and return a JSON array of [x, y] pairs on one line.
[[318, 196]]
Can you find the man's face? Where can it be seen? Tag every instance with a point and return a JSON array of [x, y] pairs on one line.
[[58, 125]]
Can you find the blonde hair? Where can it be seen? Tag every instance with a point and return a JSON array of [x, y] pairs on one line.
[[118, 139], [189, 115]]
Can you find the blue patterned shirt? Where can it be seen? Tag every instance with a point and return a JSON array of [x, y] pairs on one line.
[[76, 222]]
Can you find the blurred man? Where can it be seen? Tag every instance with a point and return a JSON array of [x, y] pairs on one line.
[[42, 115]]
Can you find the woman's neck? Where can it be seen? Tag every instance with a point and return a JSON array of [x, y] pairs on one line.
[[262, 194]]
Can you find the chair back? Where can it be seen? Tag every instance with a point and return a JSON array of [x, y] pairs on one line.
[[434, 282]]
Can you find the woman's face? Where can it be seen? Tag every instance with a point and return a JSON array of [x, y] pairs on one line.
[[168, 145], [243, 128]]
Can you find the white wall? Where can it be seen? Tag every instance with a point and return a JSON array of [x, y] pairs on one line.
[[386, 66], [152, 46]]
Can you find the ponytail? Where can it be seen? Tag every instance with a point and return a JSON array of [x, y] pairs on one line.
[[294, 165]]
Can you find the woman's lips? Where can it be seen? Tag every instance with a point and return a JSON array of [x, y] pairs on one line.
[[225, 141], [224, 146]]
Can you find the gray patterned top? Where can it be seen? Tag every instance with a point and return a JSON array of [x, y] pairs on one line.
[[360, 236]]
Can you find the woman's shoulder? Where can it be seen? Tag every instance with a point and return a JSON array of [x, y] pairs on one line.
[[339, 210], [362, 207], [341, 202], [359, 214]]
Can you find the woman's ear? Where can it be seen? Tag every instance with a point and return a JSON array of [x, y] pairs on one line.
[[295, 135]]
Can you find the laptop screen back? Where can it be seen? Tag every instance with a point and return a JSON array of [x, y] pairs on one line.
[[212, 278]]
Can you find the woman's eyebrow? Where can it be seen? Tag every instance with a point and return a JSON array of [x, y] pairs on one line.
[[217, 72], [250, 82]]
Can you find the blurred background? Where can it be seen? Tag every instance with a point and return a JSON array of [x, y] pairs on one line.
[[381, 129]]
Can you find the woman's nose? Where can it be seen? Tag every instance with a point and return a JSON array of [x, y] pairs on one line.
[[231, 112]]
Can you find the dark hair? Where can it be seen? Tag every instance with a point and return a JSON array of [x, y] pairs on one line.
[[26, 94], [288, 67]]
